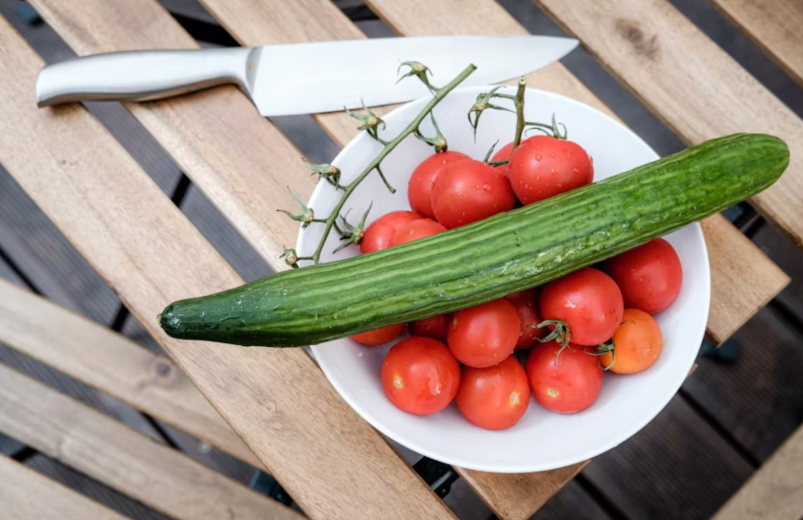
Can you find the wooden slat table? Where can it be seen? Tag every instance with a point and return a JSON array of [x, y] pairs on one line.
[[277, 400], [691, 84], [114, 364], [126, 460], [331, 462], [27, 494]]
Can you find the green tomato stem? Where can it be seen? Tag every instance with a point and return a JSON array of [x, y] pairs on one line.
[[389, 146]]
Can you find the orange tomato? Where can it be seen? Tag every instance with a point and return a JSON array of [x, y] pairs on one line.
[[637, 344]]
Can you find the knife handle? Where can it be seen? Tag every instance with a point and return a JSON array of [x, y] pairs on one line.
[[145, 75]]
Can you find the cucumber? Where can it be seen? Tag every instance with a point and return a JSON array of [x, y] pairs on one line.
[[486, 260]]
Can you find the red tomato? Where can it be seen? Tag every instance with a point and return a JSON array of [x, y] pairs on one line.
[[379, 234], [379, 336], [529, 316], [543, 167], [420, 375], [435, 327], [468, 191], [637, 343], [566, 385], [504, 155], [588, 301], [419, 189], [415, 230], [649, 276], [484, 335], [496, 397]]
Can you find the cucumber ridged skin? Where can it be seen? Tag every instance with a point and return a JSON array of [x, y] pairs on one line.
[[508, 252]]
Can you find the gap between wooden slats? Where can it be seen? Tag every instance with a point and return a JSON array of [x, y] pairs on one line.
[[114, 364], [775, 491], [27, 494], [134, 236], [774, 25], [122, 458]]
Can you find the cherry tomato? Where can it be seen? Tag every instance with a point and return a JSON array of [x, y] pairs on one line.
[[379, 336], [588, 301], [529, 316], [468, 191], [543, 167], [415, 230], [435, 327], [568, 384], [419, 190], [649, 276], [504, 155], [379, 234], [496, 397], [637, 344], [484, 335], [420, 375]]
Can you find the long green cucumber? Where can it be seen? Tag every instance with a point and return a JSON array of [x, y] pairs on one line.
[[486, 260]]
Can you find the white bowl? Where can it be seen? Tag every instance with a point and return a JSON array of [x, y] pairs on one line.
[[542, 440]]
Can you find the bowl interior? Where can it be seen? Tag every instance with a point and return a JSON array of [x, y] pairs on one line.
[[542, 440]]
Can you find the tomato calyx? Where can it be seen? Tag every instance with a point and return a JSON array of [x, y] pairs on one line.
[[351, 234], [328, 172], [438, 142], [560, 333], [307, 215], [370, 122], [603, 349], [552, 130]]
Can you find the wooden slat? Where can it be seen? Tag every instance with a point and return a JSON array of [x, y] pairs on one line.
[[113, 364], [122, 458], [775, 491], [254, 23], [25, 493], [238, 158], [774, 25], [692, 85], [733, 258], [742, 278], [332, 462]]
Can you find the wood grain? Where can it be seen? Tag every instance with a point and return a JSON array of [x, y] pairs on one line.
[[27, 494], [775, 491], [237, 157], [733, 258], [122, 458], [691, 84], [113, 364], [330, 461], [774, 25]]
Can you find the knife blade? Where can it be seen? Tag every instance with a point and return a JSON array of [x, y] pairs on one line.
[[304, 78]]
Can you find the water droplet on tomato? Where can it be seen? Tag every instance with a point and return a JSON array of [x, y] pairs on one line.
[[575, 170], [538, 157], [552, 155], [487, 187]]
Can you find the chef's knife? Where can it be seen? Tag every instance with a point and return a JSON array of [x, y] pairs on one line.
[[302, 78]]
